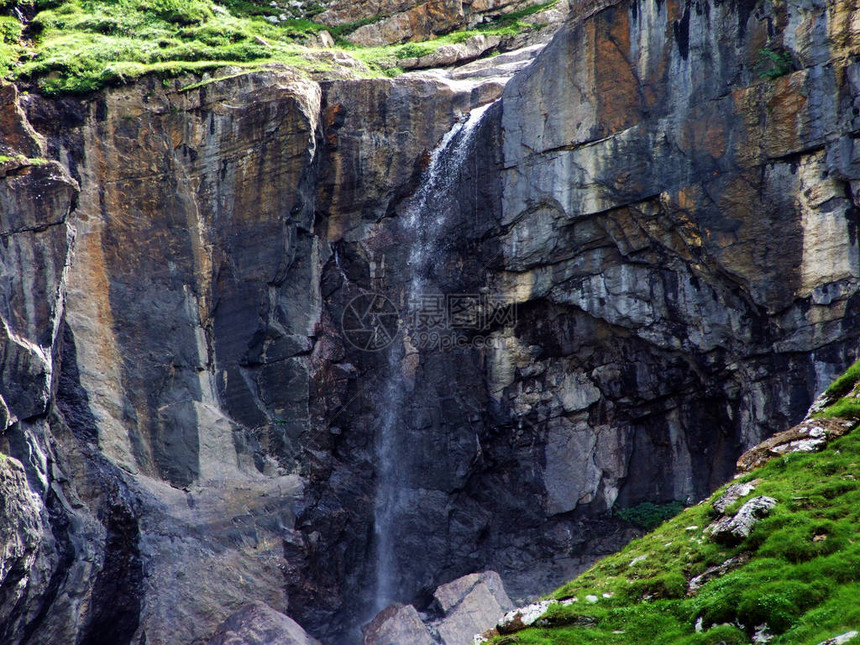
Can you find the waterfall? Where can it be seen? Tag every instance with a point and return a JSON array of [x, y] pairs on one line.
[[423, 224]]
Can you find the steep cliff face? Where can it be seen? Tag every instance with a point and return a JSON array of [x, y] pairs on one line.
[[192, 301], [674, 235], [698, 201], [193, 239], [674, 218], [36, 197], [200, 371]]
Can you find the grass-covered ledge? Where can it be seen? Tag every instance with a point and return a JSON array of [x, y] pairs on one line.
[[78, 46]]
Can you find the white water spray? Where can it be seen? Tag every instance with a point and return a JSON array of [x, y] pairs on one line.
[[424, 222]]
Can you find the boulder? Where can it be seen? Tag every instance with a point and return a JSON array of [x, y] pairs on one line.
[[734, 493], [397, 624], [258, 624], [842, 638], [810, 435], [715, 572], [734, 529], [470, 605], [522, 617]]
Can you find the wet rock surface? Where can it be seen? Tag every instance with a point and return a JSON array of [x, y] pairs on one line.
[[470, 605]]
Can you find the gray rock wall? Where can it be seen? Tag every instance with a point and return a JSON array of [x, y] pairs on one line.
[[678, 234]]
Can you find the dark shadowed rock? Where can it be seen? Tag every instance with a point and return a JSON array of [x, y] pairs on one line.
[[23, 529], [36, 198], [397, 624], [259, 624]]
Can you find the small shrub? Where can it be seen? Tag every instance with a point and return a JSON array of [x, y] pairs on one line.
[[648, 515], [726, 634], [244, 8], [414, 50], [774, 64], [343, 30], [10, 30]]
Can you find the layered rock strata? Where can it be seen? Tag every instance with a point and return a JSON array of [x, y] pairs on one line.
[[670, 210]]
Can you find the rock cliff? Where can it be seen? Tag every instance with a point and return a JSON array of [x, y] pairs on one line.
[[373, 23], [664, 200]]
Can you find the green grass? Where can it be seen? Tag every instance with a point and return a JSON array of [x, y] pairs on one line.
[[10, 50], [802, 578], [649, 516], [844, 408], [78, 46], [23, 161], [82, 45], [844, 390], [845, 383]]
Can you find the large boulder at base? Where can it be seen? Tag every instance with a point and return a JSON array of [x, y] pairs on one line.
[[258, 624], [471, 605], [397, 624]]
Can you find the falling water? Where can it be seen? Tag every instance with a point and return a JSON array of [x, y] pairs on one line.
[[424, 222]]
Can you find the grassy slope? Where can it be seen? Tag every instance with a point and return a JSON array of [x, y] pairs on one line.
[[82, 45], [803, 578]]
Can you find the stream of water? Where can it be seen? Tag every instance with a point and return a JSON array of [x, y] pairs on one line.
[[423, 225]]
